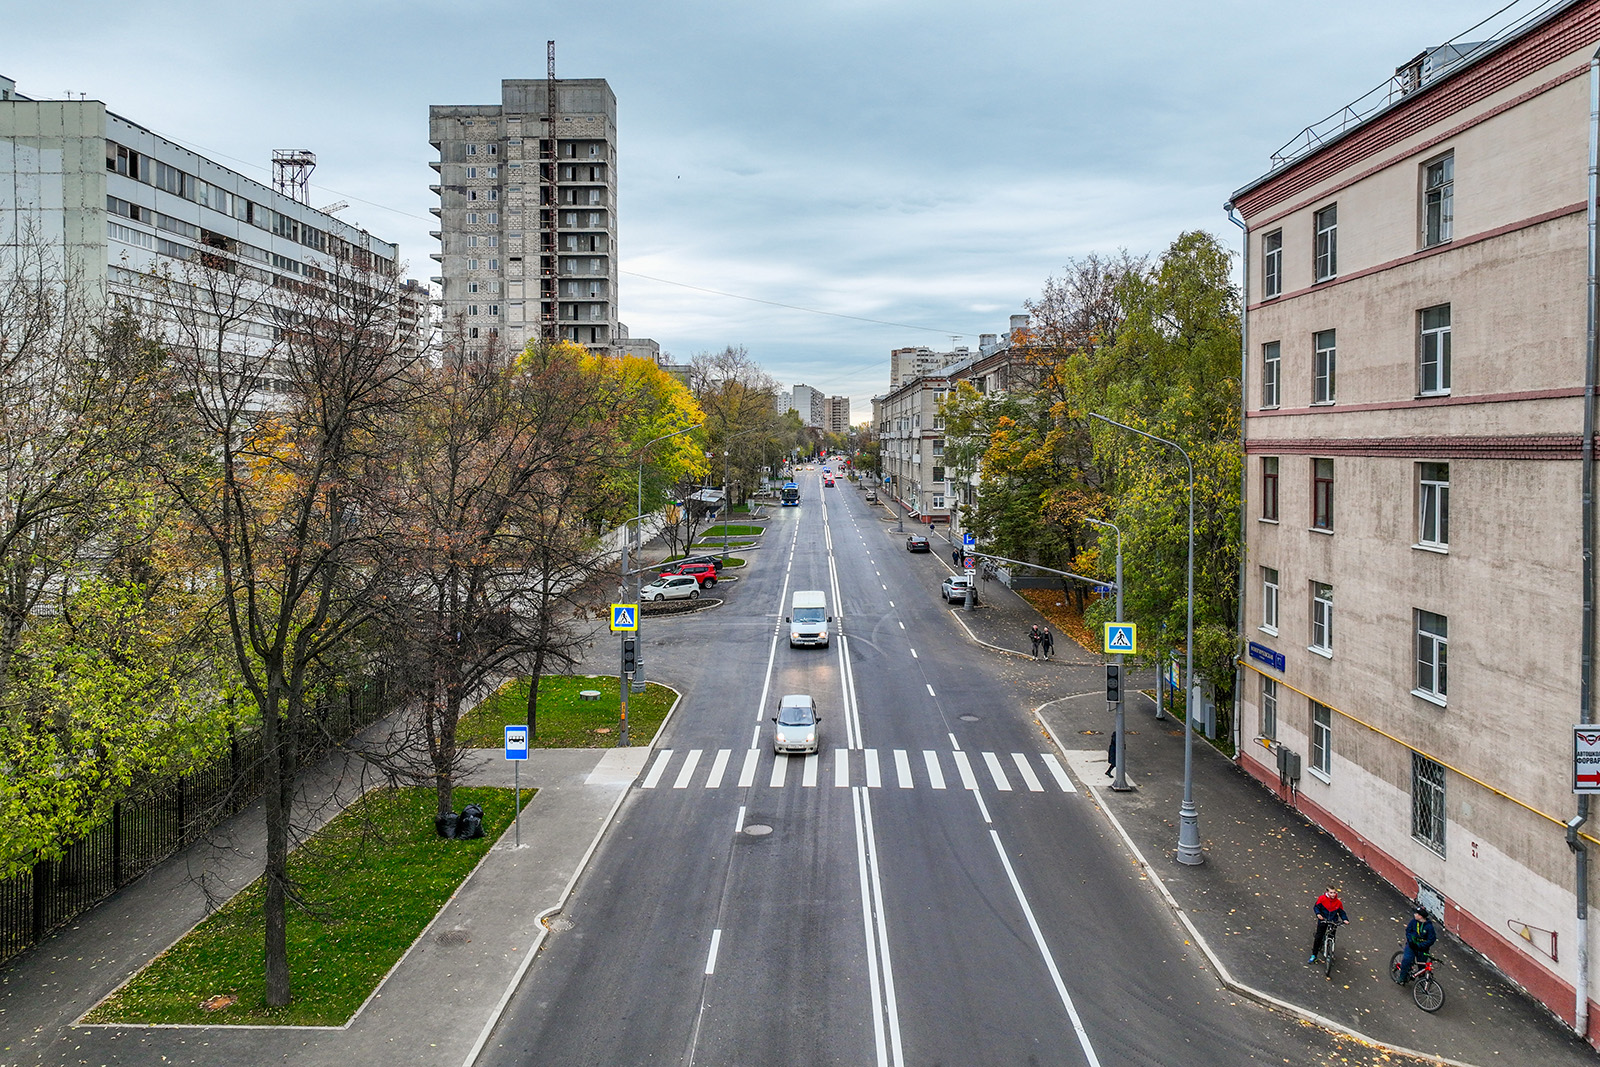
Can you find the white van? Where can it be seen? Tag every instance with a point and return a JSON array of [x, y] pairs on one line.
[[808, 619]]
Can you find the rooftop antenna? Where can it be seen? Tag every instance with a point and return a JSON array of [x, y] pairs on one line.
[[291, 172]]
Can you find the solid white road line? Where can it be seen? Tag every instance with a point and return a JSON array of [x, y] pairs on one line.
[[711, 957], [902, 768], [964, 767], [1027, 773], [935, 772], [718, 766], [780, 767], [841, 767], [1059, 772], [747, 773], [997, 771], [874, 779], [873, 984], [688, 769], [656, 768], [890, 1007], [808, 776], [738, 824], [1044, 950]]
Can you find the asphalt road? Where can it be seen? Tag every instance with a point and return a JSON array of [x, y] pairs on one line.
[[930, 889]]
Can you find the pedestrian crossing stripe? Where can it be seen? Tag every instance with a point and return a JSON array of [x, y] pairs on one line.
[[1121, 638], [896, 768], [624, 617]]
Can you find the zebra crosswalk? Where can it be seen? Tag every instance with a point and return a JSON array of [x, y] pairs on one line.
[[894, 768]]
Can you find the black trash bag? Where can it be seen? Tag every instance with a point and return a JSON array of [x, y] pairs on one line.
[[471, 824], [446, 825]]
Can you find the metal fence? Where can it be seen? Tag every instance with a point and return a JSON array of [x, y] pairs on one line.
[[146, 827]]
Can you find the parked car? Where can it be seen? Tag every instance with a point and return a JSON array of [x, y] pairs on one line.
[[797, 725], [955, 588], [872, 496], [672, 587], [715, 561], [917, 543], [704, 573]]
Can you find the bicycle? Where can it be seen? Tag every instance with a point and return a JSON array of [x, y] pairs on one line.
[[1327, 947], [1427, 991]]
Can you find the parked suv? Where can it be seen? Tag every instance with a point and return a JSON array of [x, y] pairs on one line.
[[872, 496], [955, 588], [704, 573]]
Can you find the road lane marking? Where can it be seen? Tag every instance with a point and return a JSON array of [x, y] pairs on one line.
[[914, 654], [689, 765], [1034, 785], [935, 772], [718, 766], [1058, 771], [997, 771], [755, 738], [931, 692], [874, 779], [711, 957], [808, 777], [953, 742], [747, 773], [902, 768], [738, 824], [964, 766], [902, 625], [841, 767], [780, 767], [1044, 950], [656, 768]]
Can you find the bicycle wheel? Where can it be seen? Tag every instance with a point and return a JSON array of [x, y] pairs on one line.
[[1327, 955], [1428, 994], [1394, 967]]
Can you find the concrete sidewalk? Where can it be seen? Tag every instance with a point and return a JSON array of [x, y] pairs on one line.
[[435, 1006], [1248, 906]]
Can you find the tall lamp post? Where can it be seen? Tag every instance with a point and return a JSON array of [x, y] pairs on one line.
[[727, 490], [1188, 818], [1120, 782]]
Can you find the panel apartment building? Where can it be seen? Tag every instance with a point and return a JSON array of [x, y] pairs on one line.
[[528, 214], [1414, 603], [120, 202]]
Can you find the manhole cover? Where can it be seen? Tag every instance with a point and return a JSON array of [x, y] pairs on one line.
[[969, 718], [757, 829], [453, 937]]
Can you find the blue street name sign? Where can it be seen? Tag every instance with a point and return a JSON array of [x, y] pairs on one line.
[[516, 742], [1263, 654]]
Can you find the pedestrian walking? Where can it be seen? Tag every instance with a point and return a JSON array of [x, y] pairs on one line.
[[1047, 643], [1111, 755], [955, 554], [1036, 639]]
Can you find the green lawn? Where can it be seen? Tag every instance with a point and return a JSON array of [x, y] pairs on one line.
[[373, 878], [733, 531], [731, 561], [705, 547], [565, 721]]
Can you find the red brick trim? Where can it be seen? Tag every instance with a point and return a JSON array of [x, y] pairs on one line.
[[1579, 208], [1421, 402], [1533, 446]]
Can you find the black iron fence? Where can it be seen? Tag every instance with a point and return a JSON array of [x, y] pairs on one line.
[[146, 827]]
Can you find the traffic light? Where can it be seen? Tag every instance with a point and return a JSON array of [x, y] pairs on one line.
[[1113, 683], [630, 655]]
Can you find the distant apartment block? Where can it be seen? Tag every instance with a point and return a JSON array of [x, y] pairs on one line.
[[1415, 432], [528, 214], [836, 414], [806, 402]]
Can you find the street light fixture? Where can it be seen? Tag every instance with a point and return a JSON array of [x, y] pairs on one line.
[[1120, 782], [1188, 818]]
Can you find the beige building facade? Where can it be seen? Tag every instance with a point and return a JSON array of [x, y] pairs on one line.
[[1413, 589]]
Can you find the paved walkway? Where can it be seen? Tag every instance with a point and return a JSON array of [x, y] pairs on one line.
[[1248, 905]]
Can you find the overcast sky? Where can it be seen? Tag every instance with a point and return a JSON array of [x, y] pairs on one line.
[[923, 163]]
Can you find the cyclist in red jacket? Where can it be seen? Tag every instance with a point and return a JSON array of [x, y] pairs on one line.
[[1330, 912]]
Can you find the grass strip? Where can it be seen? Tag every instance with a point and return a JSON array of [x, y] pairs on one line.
[[373, 878], [733, 531], [731, 561], [565, 719]]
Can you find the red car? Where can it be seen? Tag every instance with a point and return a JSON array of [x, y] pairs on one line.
[[704, 573]]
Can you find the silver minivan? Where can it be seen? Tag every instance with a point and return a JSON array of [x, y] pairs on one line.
[[797, 725]]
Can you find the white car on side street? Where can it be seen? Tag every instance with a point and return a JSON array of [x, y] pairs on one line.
[[672, 587]]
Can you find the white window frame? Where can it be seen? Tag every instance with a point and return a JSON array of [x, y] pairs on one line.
[[1433, 656], [1325, 243], [1271, 374], [1269, 708], [1324, 366], [1321, 761], [1438, 200], [1321, 619], [1269, 600], [1272, 264], [1427, 802], [1433, 506], [1433, 351]]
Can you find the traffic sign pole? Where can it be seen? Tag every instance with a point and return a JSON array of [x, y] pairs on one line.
[[516, 752]]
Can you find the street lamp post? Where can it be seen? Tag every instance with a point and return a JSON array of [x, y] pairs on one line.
[[1120, 782], [1188, 818]]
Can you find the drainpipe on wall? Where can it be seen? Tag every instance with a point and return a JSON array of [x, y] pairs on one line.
[[1580, 1014], [1244, 475]]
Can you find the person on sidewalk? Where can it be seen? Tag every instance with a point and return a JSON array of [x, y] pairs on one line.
[[1330, 912], [1111, 755], [955, 554], [1420, 936], [1036, 639], [1047, 643]]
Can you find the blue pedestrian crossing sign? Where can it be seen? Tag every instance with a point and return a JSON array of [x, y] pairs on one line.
[[1121, 638], [624, 617]]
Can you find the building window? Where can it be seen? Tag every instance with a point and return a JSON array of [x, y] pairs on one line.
[[938, 475], [472, 218], [1322, 494], [1272, 264], [472, 194], [472, 149], [1269, 708], [1269, 488], [472, 332], [1433, 646], [472, 264], [1322, 618], [1433, 351], [1269, 599], [1327, 242], [1427, 802], [1321, 739], [1438, 200], [494, 218], [472, 240], [1324, 356], [494, 194], [1433, 504], [472, 172], [472, 287], [472, 309], [1270, 365], [938, 500], [494, 150]]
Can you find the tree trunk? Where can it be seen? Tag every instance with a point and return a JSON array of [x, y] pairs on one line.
[[276, 903]]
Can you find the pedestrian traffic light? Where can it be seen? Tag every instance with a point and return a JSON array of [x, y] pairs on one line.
[[630, 655], [1113, 683]]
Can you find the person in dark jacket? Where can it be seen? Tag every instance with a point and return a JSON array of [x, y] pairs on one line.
[[1330, 912], [1111, 755], [1047, 643], [1035, 638], [1420, 936]]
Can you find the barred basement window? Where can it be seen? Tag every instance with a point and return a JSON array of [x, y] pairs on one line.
[[1427, 802]]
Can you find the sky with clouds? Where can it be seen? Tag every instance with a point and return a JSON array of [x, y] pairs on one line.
[[925, 164]]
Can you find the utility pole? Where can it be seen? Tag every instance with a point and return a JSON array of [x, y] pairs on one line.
[[1120, 782]]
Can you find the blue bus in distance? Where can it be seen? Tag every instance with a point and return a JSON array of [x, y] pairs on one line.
[[790, 494]]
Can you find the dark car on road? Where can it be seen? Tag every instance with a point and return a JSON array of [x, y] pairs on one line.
[[917, 543]]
